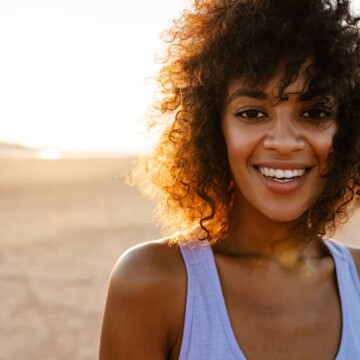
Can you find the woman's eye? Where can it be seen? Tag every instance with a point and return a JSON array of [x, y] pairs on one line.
[[250, 114], [317, 114]]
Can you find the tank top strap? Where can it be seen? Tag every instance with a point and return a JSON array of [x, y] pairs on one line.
[[207, 331], [349, 291], [195, 252], [342, 253], [195, 256]]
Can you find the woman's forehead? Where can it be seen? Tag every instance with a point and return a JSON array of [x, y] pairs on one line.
[[271, 89], [298, 82], [278, 86]]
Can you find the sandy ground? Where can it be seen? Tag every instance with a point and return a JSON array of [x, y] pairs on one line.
[[63, 225]]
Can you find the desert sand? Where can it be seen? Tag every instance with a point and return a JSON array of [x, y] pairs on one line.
[[63, 225]]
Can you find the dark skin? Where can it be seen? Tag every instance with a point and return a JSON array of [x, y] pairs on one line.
[[144, 316], [282, 300]]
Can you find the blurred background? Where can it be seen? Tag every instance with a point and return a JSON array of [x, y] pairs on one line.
[[74, 87]]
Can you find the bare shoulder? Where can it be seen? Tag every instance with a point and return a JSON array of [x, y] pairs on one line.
[[150, 263], [153, 269], [145, 303]]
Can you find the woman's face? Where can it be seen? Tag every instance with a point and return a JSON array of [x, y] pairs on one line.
[[277, 150]]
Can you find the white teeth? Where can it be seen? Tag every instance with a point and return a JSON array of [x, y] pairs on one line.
[[288, 174], [281, 174]]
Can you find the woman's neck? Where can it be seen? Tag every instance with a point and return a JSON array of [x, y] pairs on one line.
[[251, 234]]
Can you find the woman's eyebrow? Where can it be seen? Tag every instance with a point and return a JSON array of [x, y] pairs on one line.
[[242, 92]]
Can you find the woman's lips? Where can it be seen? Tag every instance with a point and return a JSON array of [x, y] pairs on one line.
[[283, 181]]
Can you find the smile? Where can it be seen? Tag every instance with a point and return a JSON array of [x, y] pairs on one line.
[[281, 175]]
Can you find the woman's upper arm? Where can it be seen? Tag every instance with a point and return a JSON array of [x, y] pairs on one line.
[[135, 322]]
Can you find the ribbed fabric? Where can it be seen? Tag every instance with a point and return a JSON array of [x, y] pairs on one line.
[[207, 332]]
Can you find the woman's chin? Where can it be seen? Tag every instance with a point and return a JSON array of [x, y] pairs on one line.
[[283, 217]]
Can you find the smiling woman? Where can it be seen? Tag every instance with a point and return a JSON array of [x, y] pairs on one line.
[[258, 160], [277, 147]]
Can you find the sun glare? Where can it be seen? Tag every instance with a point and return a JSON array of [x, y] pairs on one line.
[[50, 154], [88, 87]]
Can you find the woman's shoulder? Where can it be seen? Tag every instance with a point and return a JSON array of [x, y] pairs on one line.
[[148, 264], [352, 249], [146, 300]]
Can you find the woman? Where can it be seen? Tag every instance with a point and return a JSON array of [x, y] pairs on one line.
[[258, 160]]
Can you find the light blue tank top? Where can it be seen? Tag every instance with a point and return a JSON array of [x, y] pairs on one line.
[[207, 332]]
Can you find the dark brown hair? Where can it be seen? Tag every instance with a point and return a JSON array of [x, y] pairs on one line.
[[217, 40]]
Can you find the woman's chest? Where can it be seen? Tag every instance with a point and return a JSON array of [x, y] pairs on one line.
[[279, 318]]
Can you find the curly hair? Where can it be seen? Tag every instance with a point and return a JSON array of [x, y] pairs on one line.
[[215, 41]]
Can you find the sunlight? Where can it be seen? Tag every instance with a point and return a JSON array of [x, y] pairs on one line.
[[87, 88], [50, 154]]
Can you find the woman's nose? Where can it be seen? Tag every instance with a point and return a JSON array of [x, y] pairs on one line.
[[284, 136]]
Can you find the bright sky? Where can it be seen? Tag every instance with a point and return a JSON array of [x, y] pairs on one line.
[[72, 72]]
